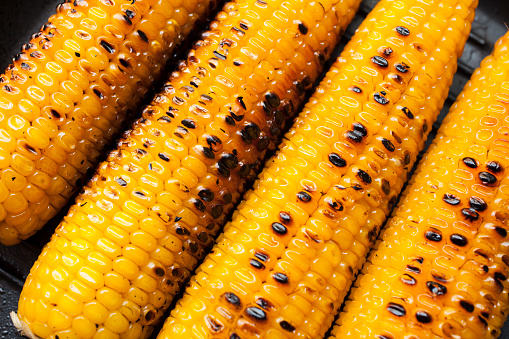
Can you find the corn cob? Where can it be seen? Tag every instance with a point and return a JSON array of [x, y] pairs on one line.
[[69, 91], [156, 205], [441, 267], [283, 265]]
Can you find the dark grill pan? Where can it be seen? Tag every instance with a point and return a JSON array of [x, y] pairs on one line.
[[20, 18]]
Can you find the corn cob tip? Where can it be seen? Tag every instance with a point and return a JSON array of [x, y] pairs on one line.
[[22, 326]]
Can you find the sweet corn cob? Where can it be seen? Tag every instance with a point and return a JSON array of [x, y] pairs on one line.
[[441, 268], [284, 264], [156, 205], [70, 90]]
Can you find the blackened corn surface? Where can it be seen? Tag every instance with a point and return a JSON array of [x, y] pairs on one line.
[[284, 264], [444, 257], [154, 208], [68, 92]]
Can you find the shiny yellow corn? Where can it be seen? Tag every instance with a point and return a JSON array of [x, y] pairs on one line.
[[156, 205], [69, 91], [441, 268], [284, 264]]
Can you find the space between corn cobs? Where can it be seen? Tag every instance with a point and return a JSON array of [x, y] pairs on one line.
[[285, 262], [154, 208], [70, 91], [441, 266]]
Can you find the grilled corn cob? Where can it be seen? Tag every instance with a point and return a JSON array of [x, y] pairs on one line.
[[441, 268], [284, 264], [69, 91], [156, 205]]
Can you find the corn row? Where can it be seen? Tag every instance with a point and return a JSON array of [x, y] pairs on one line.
[[68, 92], [284, 264], [155, 206], [441, 267]]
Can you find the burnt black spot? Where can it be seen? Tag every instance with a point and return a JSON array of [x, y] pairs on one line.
[[436, 289], [403, 31], [281, 278], [177, 219], [279, 228], [380, 61], [264, 303], [241, 102], [354, 136], [467, 306], [262, 256], [130, 14], [127, 19], [494, 167], [401, 67], [256, 313], [216, 211], [408, 279], [55, 114], [355, 89], [336, 205], [337, 160], [243, 26], [413, 269], [470, 214], [229, 160], [219, 55], [273, 99], [423, 317], [420, 260], [433, 236], [470, 162], [200, 206], [501, 231], [256, 264], [364, 176], [77, 54], [382, 100], [107, 46], [487, 178], [232, 299], [244, 171], [458, 240], [206, 194], [164, 157], [382, 336], [253, 130], [189, 123], [142, 35], [358, 127], [208, 153], [485, 268], [396, 309], [223, 170], [478, 204], [407, 112], [285, 325], [303, 196], [483, 321], [234, 336], [285, 218], [302, 28], [164, 119], [388, 145], [451, 199]]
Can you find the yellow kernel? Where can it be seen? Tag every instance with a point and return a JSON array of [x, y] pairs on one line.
[[125, 267], [95, 312], [116, 323], [91, 277], [84, 327], [69, 305], [116, 282], [15, 203], [110, 298], [136, 254]]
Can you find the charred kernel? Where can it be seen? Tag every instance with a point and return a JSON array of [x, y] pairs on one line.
[[244, 170], [285, 218], [263, 143], [470, 214], [285, 325], [396, 309], [486, 269], [413, 269], [303, 196], [273, 99], [234, 336], [360, 128], [256, 264], [470, 162], [408, 279], [459, 240], [487, 178], [232, 299], [208, 153], [355, 89], [451, 199], [436, 289], [299, 86], [382, 336], [386, 187], [337, 160], [237, 117], [264, 303], [245, 136], [129, 13], [229, 120], [189, 123], [164, 119], [281, 278], [500, 276], [241, 102], [163, 157], [388, 145], [494, 167], [386, 51], [467, 306], [223, 170], [203, 237], [199, 205], [501, 231], [483, 321], [403, 31], [302, 28], [216, 211], [182, 230], [107, 46], [433, 236], [206, 194], [364, 176], [380, 98], [142, 35], [336, 205], [262, 256], [380, 61], [279, 228], [408, 113], [478, 204], [256, 313], [354, 136], [253, 130], [121, 182], [401, 67], [423, 317], [229, 160]]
